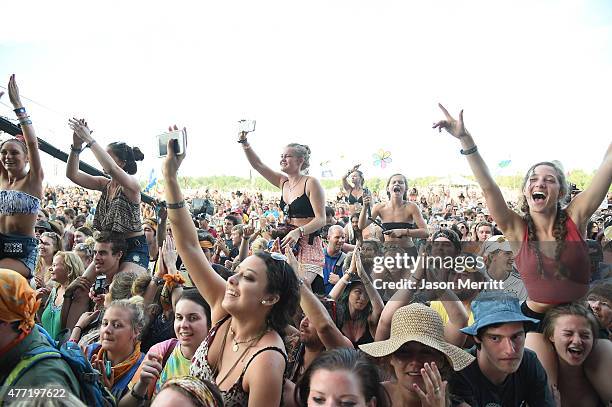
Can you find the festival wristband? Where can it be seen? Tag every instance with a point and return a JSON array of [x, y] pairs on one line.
[[469, 150], [178, 205]]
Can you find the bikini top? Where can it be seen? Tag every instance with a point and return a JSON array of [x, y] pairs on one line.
[[12, 202], [352, 200], [300, 207]]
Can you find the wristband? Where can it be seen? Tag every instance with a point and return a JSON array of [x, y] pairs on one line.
[[76, 149], [469, 150], [91, 143], [19, 110], [76, 326], [243, 141], [178, 205], [138, 396], [302, 231]]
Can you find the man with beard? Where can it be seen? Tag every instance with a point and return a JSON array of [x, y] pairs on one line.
[[504, 372], [318, 332], [499, 262]]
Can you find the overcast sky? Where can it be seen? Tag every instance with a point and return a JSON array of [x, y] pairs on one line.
[[345, 77]]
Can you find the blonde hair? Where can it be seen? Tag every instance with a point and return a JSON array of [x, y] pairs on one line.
[[302, 151], [73, 265]]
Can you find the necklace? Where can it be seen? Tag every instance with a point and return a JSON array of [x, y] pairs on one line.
[[240, 358], [235, 343], [294, 185]]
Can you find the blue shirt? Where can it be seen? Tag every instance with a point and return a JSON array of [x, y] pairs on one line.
[[332, 265]]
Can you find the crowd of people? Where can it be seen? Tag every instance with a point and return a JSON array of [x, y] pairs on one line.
[[396, 297]]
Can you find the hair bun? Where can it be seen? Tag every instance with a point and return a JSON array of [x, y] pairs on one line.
[[138, 155]]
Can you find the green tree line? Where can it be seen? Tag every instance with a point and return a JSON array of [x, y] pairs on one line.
[[231, 183]]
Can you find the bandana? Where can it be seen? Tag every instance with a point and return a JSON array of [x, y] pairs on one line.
[[198, 389], [17, 300]]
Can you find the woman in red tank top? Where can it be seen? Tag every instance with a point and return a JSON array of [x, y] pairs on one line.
[[547, 241]]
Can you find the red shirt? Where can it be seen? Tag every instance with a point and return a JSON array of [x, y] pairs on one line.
[[547, 288]]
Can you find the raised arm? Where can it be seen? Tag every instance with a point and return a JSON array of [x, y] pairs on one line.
[[364, 220], [347, 187], [457, 319], [274, 177], [328, 332], [208, 283], [509, 221], [585, 203], [72, 166], [399, 299], [35, 175], [377, 302], [339, 287], [129, 183]]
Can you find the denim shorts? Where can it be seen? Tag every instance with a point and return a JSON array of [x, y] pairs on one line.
[[137, 251], [18, 247]]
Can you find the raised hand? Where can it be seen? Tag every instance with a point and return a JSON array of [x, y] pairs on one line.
[[396, 233], [80, 282], [151, 369], [169, 249], [454, 127], [172, 162], [435, 389], [242, 136], [76, 140], [247, 232], [81, 133], [87, 318], [352, 170], [13, 92]]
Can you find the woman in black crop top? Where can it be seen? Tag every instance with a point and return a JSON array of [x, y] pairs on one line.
[[118, 209], [302, 200], [397, 215], [354, 191]]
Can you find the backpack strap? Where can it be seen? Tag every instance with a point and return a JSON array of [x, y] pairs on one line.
[[169, 350], [27, 362], [127, 377]]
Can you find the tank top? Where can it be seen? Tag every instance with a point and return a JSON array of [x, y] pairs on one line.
[[547, 288], [118, 214], [235, 396], [300, 207]]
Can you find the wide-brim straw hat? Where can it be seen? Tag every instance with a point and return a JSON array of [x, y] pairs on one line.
[[418, 323]]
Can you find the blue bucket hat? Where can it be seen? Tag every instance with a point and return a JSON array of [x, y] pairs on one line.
[[491, 308]]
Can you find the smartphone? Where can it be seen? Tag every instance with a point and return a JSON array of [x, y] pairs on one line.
[[179, 144], [100, 285], [246, 126]]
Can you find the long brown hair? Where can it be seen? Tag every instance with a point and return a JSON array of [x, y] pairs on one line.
[[559, 228]]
